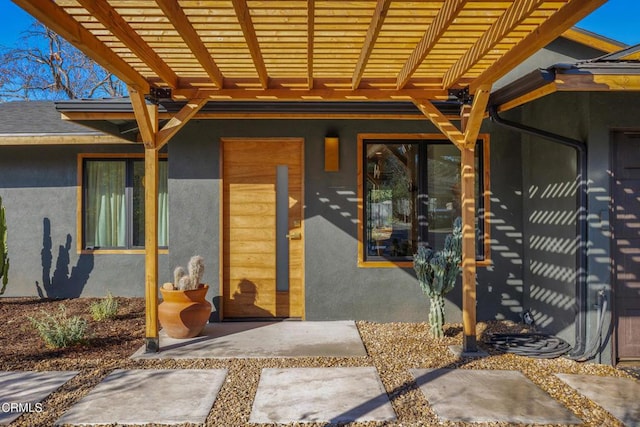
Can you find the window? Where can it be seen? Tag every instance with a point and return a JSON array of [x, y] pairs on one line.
[[113, 203], [410, 188]]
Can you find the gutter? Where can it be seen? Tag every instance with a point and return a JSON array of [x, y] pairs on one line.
[[578, 352]]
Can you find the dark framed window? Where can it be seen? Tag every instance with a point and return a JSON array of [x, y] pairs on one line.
[[113, 203], [410, 192]]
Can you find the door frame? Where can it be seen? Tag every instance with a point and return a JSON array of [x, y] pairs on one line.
[[221, 224]]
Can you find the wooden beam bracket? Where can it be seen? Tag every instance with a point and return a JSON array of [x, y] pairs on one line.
[[146, 116], [178, 121], [440, 121]]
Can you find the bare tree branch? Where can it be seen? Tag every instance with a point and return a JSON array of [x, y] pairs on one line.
[[43, 66]]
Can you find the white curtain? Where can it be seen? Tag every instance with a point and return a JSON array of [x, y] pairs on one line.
[[106, 212]]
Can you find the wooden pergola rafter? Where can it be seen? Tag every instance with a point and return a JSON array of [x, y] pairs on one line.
[[315, 50]]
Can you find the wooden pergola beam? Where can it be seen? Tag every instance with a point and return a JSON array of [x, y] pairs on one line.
[[249, 31], [317, 94], [440, 23], [311, 17], [599, 43], [56, 18], [369, 41], [120, 28], [546, 32], [183, 26], [178, 121], [597, 82], [509, 20]]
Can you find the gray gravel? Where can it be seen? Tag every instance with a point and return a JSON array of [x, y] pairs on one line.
[[393, 348]]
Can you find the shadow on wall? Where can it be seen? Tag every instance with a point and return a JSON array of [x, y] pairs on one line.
[[63, 284]]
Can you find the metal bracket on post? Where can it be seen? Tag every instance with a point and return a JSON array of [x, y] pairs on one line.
[[157, 94], [462, 95], [151, 345]]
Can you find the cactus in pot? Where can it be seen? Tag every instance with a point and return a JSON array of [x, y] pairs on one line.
[[437, 273], [184, 310], [192, 280], [4, 251]]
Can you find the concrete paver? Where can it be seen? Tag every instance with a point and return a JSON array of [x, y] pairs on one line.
[[485, 396], [143, 396], [619, 396], [24, 391], [265, 339], [320, 395], [305, 394]]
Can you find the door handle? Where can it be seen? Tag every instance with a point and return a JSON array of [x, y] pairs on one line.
[[294, 236]]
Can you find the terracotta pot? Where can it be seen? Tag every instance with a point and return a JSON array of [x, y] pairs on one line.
[[184, 314]]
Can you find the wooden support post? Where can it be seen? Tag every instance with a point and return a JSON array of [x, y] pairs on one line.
[[468, 250], [147, 118], [152, 343]]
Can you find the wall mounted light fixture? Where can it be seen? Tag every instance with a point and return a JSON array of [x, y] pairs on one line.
[[331, 154]]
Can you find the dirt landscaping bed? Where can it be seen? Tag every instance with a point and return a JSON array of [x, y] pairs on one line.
[[393, 348]]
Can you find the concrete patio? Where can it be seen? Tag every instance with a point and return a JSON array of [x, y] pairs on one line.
[[264, 339]]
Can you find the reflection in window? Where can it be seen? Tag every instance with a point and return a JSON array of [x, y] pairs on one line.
[[412, 194]]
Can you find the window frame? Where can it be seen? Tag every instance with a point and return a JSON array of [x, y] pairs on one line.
[[80, 211], [391, 138]]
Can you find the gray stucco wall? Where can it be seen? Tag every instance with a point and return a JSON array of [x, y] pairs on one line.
[[548, 173], [335, 288], [38, 186], [550, 209]]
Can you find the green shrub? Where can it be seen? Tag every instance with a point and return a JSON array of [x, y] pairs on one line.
[[59, 330], [106, 308]]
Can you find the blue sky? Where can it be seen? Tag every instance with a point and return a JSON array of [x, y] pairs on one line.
[[616, 19]]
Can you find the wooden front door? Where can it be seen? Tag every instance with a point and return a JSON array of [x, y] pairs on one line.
[[626, 243], [262, 228]]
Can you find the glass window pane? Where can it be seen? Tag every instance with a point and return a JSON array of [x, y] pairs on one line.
[[391, 194], [105, 207], [138, 204], [443, 189], [412, 197]]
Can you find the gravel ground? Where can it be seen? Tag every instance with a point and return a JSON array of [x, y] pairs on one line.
[[393, 348]]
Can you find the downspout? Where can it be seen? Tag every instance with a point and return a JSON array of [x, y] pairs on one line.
[[581, 254]]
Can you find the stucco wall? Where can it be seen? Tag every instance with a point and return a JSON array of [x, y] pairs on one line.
[[38, 186], [335, 288], [548, 168], [550, 209]]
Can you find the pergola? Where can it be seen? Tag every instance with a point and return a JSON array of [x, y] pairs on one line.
[[310, 50]]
